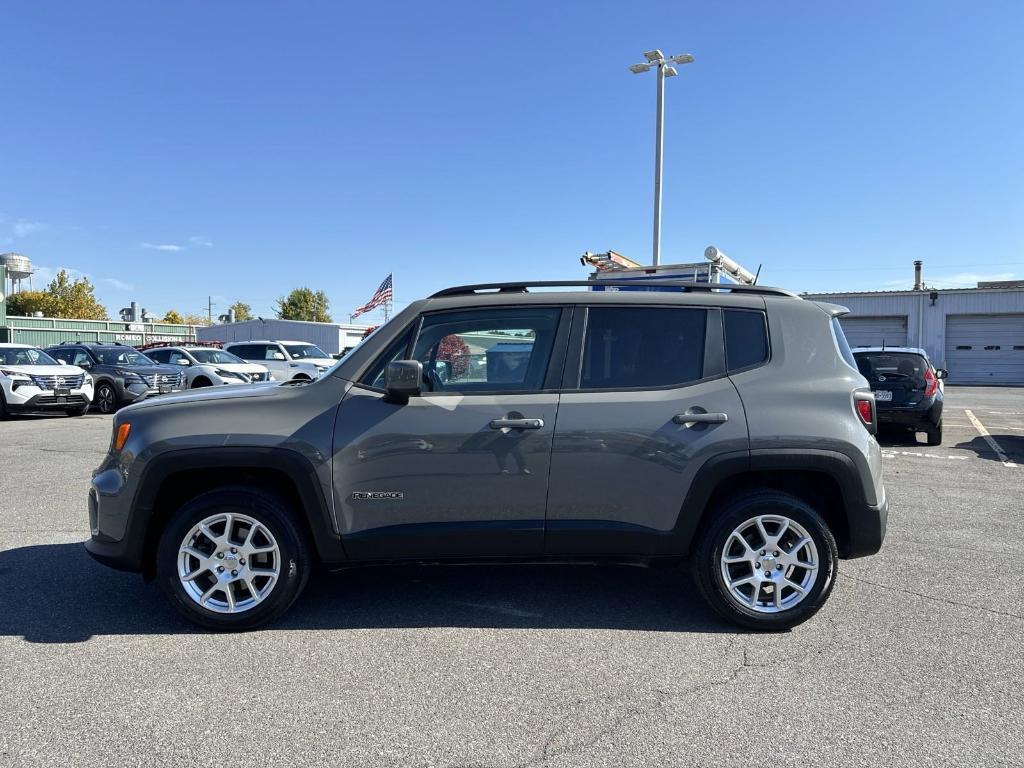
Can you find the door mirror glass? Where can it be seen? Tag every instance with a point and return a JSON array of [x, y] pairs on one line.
[[402, 379], [941, 373]]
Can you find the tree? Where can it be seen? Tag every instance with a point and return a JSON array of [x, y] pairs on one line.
[[242, 311], [304, 304], [27, 303], [74, 298], [195, 320], [173, 317]]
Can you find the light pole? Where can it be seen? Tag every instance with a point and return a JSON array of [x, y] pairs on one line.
[[665, 69]]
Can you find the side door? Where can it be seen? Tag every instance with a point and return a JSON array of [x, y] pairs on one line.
[[461, 469], [645, 402]]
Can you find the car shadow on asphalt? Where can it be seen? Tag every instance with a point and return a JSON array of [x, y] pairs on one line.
[[1011, 445], [55, 593]]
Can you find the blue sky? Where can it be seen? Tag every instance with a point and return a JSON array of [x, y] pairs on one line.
[[240, 149]]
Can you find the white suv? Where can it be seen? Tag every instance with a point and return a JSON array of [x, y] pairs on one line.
[[31, 380], [286, 360], [208, 366]]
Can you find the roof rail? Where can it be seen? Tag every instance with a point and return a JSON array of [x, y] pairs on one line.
[[158, 344], [685, 285]]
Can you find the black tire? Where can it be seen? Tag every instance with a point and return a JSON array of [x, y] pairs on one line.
[[4, 413], [106, 398], [201, 382], [80, 411], [269, 511], [707, 570], [935, 435]]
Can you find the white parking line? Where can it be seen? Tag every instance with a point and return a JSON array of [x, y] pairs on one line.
[[990, 440], [888, 453]]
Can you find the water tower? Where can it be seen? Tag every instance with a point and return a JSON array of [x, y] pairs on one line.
[[18, 269]]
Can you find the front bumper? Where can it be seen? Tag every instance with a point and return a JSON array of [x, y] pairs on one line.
[[47, 401]]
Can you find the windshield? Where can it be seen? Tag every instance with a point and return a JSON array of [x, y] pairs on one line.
[[25, 356], [121, 356], [892, 366], [300, 351], [215, 356]]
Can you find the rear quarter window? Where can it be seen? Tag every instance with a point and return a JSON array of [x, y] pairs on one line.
[[746, 338], [842, 345]]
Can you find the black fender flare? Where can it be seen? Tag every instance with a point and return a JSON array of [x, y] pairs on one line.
[[298, 468]]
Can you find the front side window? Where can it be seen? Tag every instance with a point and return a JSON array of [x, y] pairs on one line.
[[80, 356], [159, 355], [305, 351], [487, 350], [214, 356], [642, 347]]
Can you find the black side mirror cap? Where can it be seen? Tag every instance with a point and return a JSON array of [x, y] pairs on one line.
[[403, 379]]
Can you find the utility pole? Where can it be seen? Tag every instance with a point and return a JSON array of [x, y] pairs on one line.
[[665, 69], [209, 309]]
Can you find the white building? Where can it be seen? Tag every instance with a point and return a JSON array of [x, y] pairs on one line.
[[977, 334]]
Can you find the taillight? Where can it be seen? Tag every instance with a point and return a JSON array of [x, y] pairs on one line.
[[931, 383], [865, 409]]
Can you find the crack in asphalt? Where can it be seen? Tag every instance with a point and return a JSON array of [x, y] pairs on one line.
[[891, 588], [651, 703]]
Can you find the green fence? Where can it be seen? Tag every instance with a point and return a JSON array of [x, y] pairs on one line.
[[44, 331]]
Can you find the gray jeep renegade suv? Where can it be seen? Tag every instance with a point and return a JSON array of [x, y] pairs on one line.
[[724, 427]]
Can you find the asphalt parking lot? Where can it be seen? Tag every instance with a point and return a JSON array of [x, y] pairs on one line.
[[917, 659]]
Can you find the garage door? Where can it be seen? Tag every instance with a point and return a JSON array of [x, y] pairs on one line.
[[872, 331], [985, 349]]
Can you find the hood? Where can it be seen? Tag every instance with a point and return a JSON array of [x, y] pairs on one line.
[[243, 367], [321, 361], [235, 392], [151, 370], [45, 370]]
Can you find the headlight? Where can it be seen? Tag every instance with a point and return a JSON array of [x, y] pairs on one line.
[[132, 378], [231, 375], [87, 379]]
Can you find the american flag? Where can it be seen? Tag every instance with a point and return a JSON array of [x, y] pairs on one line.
[[381, 296]]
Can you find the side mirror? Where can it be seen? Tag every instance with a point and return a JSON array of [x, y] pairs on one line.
[[183, 361], [941, 373], [61, 362], [402, 380], [85, 365], [278, 356]]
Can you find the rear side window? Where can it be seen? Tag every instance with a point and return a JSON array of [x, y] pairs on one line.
[[842, 345], [746, 338], [643, 347]]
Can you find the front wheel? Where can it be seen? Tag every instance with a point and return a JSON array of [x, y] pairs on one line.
[[768, 561], [233, 559], [106, 398]]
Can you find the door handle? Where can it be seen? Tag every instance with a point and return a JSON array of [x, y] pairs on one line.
[[517, 423], [700, 418]]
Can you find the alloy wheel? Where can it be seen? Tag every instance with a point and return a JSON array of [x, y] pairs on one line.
[[106, 400], [769, 563], [229, 563]]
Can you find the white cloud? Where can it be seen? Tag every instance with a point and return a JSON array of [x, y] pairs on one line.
[[162, 246], [24, 227], [201, 240], [120, 285]]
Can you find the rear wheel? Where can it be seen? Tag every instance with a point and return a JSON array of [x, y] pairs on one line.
[[935, 435], [768, 561], [233, 559]]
